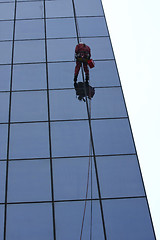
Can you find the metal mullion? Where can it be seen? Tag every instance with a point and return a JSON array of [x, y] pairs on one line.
[[9, 122], [49, 126]]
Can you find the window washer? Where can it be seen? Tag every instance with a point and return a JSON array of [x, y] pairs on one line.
[[82, 55]]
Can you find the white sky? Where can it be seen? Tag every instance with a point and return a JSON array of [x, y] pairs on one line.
[[134, 27]]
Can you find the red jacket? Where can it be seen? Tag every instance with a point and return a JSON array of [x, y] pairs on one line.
[[83, 49]]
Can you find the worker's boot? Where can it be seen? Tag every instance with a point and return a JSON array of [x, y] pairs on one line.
[[87, 78]]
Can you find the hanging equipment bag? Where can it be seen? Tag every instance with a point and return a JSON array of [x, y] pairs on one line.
[[91, 63]]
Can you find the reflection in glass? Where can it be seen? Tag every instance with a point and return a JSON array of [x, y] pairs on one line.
[[5, 77], [6, 52], [65, 105], [29, 29], [127, 219], [69, 218], [7, 11], [30, 10], [61, 74], [29, 106], [70, 138], [29, 76], [109, 103], [112, 137], [65, 27], [29, 221], [2, 181], [119, 176], [70, 179], [6, 30], [61, 49], [92, 26], [4, 107], [61, 8], [29, 51], [3, 140], [29, 181], [29, 140]]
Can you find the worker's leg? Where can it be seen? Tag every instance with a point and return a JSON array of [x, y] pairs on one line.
[[77, 68], [86, 70]]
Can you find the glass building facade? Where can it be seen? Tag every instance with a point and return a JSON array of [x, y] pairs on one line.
[[68, 169]]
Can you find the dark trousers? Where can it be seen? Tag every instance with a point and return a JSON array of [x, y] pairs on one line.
[[78, 66]]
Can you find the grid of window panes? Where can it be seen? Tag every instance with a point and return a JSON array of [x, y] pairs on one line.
[[45, 134]]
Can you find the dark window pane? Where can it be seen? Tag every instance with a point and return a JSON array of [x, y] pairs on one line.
[[29, 221], [59, 28], [61, 49], [119, 176], [1, 221], [70, 138], [88, 8], [109, 103], [5, 73], [29, 51], [29, 106], [29, 140], [112, 137], [2, 181], [29, 29], [29, 181], [6, 52], [4, 107], [70, 179], [128, 219], [7, 11], [61, 74], [92, 26], [62, 8], [29, 76], [65, 105], [100, 47], [3, 141], [30, 10], [6, 30], [69, 218], [104, 74]]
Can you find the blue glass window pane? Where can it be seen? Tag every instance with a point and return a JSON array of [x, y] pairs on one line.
[[61, 8], [100, 47], [30, 10], [92, 26], [112, 137], [29, 181], [29, 221], [61, 28], [88, 8], [104, 74], [29, 106], [29, 51], [6, 52], [61, 49], [7, 11], [5, 73], [6, 30], [2, 181], [4, 107], [69, 218], [29, 76], [65, 105], [29, 140], [3, 140], [29, 29], [128, 219], [61, 74], [1, 221], [70, 138], [109, 103], [70, 179], [119, 176]]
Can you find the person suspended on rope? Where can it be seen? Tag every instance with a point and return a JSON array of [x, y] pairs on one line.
[[82, 55]]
